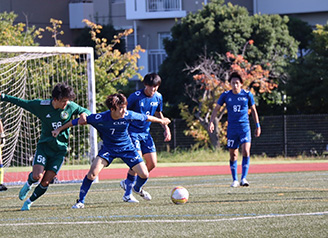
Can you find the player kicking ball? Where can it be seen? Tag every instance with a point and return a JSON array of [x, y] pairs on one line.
[[112, 126], [50, 152], [238, 101]]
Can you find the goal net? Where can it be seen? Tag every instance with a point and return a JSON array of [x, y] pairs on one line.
[[31, 73]]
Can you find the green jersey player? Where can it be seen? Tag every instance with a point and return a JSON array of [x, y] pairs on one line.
[[51, 151]]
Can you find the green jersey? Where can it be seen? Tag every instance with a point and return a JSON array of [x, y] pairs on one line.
[[50, 118]]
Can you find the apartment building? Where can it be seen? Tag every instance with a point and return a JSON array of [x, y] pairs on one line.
[[150, 19]]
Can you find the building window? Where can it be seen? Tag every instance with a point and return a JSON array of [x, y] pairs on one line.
[[161, 37]]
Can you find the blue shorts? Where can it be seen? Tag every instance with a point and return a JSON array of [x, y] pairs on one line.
[[130, 156], [237, 138], [143, 142]]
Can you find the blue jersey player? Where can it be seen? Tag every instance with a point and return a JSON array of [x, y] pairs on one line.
[[112, 126], [146, 101], [238, 101]]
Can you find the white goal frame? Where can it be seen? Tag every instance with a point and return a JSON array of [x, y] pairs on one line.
[[89, 52]]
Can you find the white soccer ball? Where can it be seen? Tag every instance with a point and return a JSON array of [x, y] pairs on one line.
[[179, 195]]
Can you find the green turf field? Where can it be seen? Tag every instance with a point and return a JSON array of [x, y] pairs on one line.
[[275, 205]]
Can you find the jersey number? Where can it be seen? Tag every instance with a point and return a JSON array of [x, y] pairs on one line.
[[230, 143], [236, 108], [55, 125]]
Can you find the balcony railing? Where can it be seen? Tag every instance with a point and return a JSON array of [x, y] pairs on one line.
[[163, 5], [155, 59], [154, 9]]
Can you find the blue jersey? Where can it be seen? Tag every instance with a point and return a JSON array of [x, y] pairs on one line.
[[140, 102], [114, 133], [237, 107]]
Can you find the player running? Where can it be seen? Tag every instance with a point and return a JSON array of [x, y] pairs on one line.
[[149, 102], [112, 126], [238, 101], [50, 152]]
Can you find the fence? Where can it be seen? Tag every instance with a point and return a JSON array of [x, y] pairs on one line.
[[288, 135]]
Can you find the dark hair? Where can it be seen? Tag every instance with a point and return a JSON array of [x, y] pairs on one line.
[[235, 75], [152, 79], [113, 101], [61, 91]]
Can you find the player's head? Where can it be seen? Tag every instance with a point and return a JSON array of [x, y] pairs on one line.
[[62, 91], [62, 94], [236, 82], [152, 79], [152, 82], [237, 76], [115, 101]]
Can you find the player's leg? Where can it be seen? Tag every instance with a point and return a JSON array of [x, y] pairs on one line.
[[142, 177], [40, 189], [2, 187], [233, 166], [246, 147], [97, 165], [33, 177], [132, 175], [233, 146], [39, 163]]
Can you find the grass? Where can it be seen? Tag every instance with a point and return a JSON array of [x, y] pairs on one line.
[[275, 205]]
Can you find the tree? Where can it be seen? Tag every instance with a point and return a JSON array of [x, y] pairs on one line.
[[308, 83], [217, 29], [210, 82], [107, 32], [16, 34]]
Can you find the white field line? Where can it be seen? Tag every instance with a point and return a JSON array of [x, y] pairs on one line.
[[168, 221]]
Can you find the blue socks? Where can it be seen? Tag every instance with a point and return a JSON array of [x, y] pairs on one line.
[[86, 184], [140, 182], [245, 166], [129, 182], [233, 168]]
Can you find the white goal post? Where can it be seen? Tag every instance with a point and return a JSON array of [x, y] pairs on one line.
[[31, 72]]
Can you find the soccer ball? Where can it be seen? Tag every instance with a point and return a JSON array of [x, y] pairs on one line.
[[179, 195]]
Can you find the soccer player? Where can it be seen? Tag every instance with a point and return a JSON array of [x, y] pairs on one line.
[[112, 126], [2, 143], [149, 102], [50, 151], [238, 101]]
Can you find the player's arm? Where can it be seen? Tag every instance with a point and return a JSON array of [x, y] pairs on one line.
[[163, 121], [82, 120], [213, 116], [26, 104], [167, 131], [256, 120]]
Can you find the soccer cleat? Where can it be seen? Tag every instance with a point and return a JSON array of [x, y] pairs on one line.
[[123, 185], [78, 205], [244, 183], [26, 206], [130, 199], [3, 187], [24, 191], [145, 195], [234, 184]]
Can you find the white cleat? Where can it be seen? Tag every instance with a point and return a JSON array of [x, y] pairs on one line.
[[130, 199], [234, 184], [244, 183], [145, 195], [78, 205]]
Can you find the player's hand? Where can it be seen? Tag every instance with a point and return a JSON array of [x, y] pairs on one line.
[[257, 132], [211, 127], [167, 134], [55, 133], [83, 119], [165, 121]]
